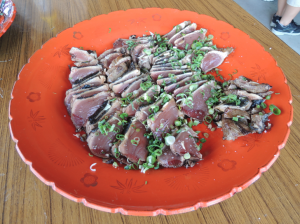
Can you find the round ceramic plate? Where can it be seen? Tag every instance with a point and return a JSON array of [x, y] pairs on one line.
[[6, 21], [44, 138]]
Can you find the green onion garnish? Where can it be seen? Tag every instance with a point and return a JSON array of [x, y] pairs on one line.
[[203, 140], [187, 155], [268, 97], [274, 109], [263, 105], [235, 118], [177, 123], [147, 51]]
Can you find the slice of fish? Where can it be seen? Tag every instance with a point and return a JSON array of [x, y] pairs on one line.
[[251, 86], [101, 144], [265, 94], [169, 159], [175, 79], [245, 105], [198, 109], [145, 111], [188, 29], [86, 63], [164, 74], [243, 93], [120, 87], [116, 72], [164, 119], [115, 153], [230, 113], [107, 60], [80, 55], [127, 75], [106, 111], [78, 74], [137, 50], [186, 41], [258, 122], [105, 53], [176, 29], [234, 129], [186, 87], [213, 59], [134, 145], [165, 68], [120, 60], [83, 108], [133, 87], [132, 108], [77, 93], [172, 87], [185, 143], [95, 80]]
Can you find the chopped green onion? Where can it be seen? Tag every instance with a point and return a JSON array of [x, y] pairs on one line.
[[115, 165], [109, 30], [196, 123], [268, 97], [199, 147], [277, 93], [177, 123], [263, 105], [235, 118], [208, 119], [146, 85], [187, 156], [261, 113], [210, 37], [211, 111], [135, 141], [120, 137], [146, 182], [193, 87], [147, 51], [90, 155], [123, 115], [225, 84], [186, 46], [275, 109], [169, 140], [203, 140], [257, 106]]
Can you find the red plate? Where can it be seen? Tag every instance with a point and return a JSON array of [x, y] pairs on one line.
[[5, 22], [43, 131]]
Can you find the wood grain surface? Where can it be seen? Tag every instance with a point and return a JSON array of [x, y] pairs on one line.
[[274, 198]]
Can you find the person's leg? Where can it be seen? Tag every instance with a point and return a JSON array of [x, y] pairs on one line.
[[281, 6], [289, 14]]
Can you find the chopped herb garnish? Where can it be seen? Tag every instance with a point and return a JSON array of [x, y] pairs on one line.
[[274, 109], [109, 30], [147, 51], [263, 105], [268, 97], [187, 156], [235, 118]]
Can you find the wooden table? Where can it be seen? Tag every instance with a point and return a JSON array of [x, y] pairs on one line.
[[274, 198]]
